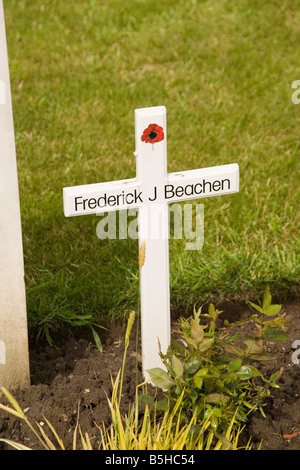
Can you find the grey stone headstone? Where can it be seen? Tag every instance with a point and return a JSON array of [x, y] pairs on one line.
[[14, 357]]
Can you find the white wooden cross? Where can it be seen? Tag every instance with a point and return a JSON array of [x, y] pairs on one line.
[[150, 192]]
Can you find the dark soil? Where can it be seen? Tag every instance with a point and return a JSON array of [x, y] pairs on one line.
[[72, 380]]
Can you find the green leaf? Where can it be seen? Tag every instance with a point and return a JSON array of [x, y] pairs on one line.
[[192, 365], [197, 332], [198, 377], [198, 381], [262, 357], [275, 375], [148, 399], [97, 339], [272, 310], [257, 307], [177, 366], [213, 313], [255, 349], [162, 405], [214, 421], [211, 310], [224, 440], [177, 347], [201, 372], [197, 313], [247, 372], [216, 398], [249, 405], [191, 342], [206, 344], [275, 333], [254, 346], [217, 412], [193, 395], [232, 349], [214, 371], [234, 365], [267, 298], [160, 378], [230, 377]]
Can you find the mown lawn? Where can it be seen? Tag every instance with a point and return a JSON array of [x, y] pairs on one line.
[[224, 71]]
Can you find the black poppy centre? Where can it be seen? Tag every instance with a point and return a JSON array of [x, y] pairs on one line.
[[152, 135]]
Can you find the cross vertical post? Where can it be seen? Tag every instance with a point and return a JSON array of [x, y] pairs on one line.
[[153, 232]]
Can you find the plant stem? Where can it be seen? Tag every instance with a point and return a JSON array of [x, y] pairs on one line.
[[128, 330]]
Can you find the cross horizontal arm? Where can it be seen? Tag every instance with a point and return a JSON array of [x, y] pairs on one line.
[[101, 197], [205, 182]]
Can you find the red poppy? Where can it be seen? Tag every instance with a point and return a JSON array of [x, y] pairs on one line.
[[153, 133]]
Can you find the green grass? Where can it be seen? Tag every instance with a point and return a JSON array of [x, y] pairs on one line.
[[224, 72]]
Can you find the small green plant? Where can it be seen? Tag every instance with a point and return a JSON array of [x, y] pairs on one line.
[[213, 369], [163, 431], [55, 319], [271, 329]]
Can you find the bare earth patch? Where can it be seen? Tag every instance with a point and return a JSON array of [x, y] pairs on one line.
[[72, 380]]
